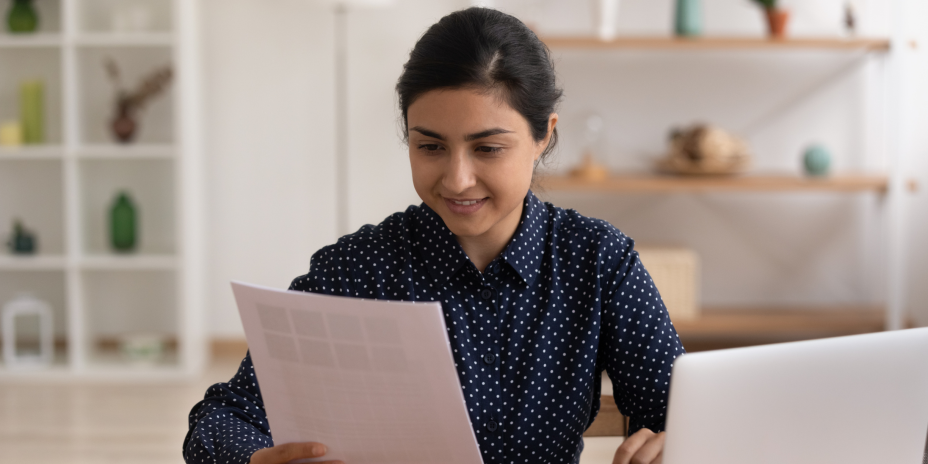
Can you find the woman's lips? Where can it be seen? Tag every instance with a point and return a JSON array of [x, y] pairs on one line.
[[465, 206]]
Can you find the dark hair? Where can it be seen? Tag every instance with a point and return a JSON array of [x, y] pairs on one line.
[[487, 50]]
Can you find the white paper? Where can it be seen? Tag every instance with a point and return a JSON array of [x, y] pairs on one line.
[[373, 380]]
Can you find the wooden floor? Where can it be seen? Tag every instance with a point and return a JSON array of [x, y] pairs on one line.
[[127, 424], [99, 424]]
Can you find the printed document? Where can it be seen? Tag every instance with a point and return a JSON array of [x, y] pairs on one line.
[[372, 380]]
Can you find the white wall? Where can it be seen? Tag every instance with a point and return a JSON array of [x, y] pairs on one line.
[[270, 142], [270, 114]]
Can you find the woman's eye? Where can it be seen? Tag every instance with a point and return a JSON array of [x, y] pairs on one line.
[[429, 147], [486, 149]]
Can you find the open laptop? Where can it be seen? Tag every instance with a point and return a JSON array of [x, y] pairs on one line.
[[858, 399]]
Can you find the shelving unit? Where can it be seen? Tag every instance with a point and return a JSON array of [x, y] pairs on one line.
[[718, 43], [729, 327], [63, 190], [650, 183]]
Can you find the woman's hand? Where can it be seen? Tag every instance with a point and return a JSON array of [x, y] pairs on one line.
[[282, 454], [644, 447]]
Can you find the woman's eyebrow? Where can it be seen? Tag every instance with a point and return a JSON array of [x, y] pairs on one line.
[[487, 133], [428, 133]]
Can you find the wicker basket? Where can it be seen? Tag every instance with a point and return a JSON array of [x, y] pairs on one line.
[[675, 272]]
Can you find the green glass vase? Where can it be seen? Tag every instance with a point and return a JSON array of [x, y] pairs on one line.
[[123, 222], [22, 17]]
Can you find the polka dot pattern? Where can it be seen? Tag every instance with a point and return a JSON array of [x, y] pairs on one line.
[[531, 335]]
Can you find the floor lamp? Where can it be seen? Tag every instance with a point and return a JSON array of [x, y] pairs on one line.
[[342, 8]]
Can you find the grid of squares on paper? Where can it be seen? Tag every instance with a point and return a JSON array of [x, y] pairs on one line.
[[369, 382]]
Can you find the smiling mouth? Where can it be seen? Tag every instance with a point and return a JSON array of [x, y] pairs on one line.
[[465, 206], [465, 202]]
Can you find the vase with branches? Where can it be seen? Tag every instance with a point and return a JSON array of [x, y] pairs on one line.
[[129, 103], [776, 17]]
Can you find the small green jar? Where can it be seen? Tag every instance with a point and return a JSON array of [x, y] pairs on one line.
[[688, 21], [22, 17], [123, 223]]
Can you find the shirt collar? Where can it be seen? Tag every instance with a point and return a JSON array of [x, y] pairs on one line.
[[444, 257]]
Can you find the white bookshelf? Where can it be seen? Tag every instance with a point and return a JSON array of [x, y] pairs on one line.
[[63, 189]]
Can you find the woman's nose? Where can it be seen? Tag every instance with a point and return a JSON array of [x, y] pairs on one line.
[[459, 174]]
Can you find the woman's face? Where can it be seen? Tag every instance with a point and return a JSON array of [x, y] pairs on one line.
[[472, 157]]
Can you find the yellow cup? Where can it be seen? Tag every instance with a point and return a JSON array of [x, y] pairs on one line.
[[11, 134]]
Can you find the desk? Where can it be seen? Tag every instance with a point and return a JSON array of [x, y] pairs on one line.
[[599, 450]]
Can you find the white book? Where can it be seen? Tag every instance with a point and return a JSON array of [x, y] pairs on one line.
[[372, 380]]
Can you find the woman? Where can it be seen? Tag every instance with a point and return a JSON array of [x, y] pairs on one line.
[[538, 300]]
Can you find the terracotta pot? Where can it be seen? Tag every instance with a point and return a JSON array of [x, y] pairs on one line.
[[776, 22]]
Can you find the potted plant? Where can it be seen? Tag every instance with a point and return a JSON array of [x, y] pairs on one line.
[[776, 18]]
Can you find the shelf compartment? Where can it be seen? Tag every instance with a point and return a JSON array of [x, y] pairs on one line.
[[717, 43], [96, 105], [21, 64], [48, 286], [718, 328], [32, 192], [150, 184], [651, 183], [125, 17], [49, 12], [121, 302]]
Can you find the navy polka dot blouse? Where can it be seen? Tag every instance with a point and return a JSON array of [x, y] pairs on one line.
[[531, 334]]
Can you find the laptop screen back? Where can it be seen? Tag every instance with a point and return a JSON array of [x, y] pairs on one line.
[[859, 399]]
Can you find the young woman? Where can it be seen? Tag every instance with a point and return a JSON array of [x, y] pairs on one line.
[[538, 300]]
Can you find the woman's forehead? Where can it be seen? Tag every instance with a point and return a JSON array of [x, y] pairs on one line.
[[460, 112]]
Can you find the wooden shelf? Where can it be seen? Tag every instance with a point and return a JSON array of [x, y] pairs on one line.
[[652, 183], [718, 43], [733, 327]]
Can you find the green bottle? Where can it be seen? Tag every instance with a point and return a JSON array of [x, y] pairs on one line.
[[122, 223], [22, 17]]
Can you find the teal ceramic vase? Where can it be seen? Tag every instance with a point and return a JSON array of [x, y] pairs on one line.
[[688, 21], [21, 242], [123, 224], [816, 160], [22, 18]]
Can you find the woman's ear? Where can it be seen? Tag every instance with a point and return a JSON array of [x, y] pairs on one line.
[[543, 145]]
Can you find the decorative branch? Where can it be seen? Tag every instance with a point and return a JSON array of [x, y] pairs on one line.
[[149, 87]]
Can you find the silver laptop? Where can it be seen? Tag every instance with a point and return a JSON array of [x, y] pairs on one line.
[[858, 399]]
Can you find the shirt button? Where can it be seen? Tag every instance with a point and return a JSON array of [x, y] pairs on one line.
[[492, 425], [486, 294], [489, 358]]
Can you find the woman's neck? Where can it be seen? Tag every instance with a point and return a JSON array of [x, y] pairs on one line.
[[484, 248]]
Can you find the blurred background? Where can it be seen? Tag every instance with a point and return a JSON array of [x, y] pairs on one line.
[[770, 158]]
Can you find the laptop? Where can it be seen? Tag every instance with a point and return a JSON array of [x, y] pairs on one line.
[[857, 399]]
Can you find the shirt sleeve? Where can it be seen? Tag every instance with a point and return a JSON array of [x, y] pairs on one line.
[[638, 343], [230, 424]]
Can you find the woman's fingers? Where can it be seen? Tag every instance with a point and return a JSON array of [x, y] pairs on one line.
[[644, 447], [285, 453], [650, 451]]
